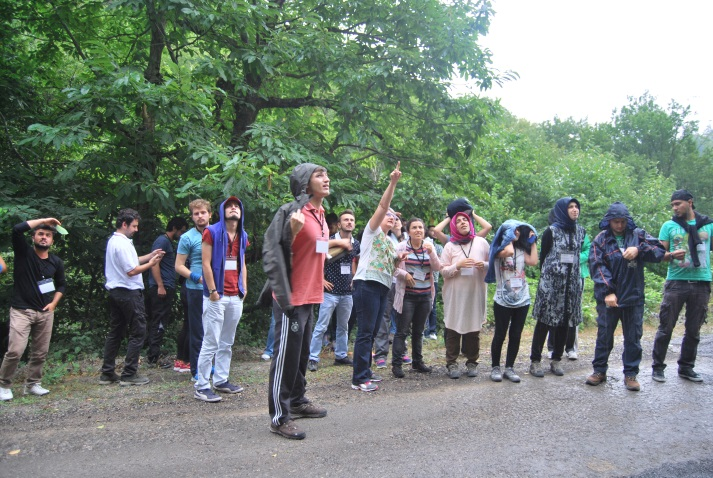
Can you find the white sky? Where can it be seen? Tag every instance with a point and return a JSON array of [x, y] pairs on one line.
[[584, 58]]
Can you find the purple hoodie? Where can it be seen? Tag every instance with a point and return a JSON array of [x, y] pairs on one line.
[[220, 243]]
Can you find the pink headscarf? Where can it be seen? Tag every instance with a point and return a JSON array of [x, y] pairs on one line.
[[456, 236]]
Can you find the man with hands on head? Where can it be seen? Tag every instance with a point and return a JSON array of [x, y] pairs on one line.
[[39, 284]]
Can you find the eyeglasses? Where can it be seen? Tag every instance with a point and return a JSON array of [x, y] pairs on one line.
[[391, 214]]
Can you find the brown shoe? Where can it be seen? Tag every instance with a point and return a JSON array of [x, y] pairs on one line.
[[632, 384], [308, 410], [288, 430], [596, 378]]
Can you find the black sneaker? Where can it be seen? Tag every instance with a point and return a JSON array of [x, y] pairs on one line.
[[343, 361], [289, 429], [227, 387], [135, 379], [108, 379], [658, 376], [312, 365], [690, 374], [421, 367], [398, 371], [375, 378]]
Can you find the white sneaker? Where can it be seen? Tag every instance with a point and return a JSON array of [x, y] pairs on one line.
[[36, 389], [5, 394], [572, 355], [265, 357], [433, 337]]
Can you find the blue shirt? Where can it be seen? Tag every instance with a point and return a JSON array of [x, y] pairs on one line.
[[167, 264], [190, 244]]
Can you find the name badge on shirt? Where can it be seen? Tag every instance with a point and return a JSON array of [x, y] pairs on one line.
[[467, 271], [567, 257], [516, 282], [419, 275], [322, 246], [231, 264], [346, 269], [46, 286]]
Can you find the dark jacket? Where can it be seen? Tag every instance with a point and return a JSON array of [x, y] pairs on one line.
[[220, 243], [612, 273], [277, 246]]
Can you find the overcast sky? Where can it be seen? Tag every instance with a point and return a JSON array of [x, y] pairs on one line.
[[584, 58]]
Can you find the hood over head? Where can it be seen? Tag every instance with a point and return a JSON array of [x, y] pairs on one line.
[[615, 211], [299, 180]]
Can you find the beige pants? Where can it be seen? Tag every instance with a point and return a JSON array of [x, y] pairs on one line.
[[23, 324]]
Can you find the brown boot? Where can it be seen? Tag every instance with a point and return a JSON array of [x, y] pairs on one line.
[[596, 378], [289, 429], [632, 384]]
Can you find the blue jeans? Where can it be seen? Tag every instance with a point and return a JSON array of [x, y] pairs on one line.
[[343, 305], [220, 320], [370, 301], [632, 321], [432, 320], [270, 344], [194, 297]]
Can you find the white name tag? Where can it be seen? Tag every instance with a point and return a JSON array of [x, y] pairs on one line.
[[231, 264], [467, 271], [567, 258], [516, 282], [419, 275], [322, 246], [46, 286], [346, 269]]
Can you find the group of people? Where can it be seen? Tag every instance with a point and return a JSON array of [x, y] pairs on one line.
[[387, 269]]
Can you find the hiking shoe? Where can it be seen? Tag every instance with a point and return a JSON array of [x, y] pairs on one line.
[[312, 365], [556, 368], [108, 379], [227, 387], [536, 369], [35, 389], [381, 363], [631, 383], [289, 429], [421, 367], [265, 357], [365, 387], [453, 371], [496, 375], [398, 371], [5, 394], [343, 361], [510, 374], [690, 374], [406, 359], [572, 355], [658, 376], [375, 378], [135, 379], [308, 410], [472, 369], [181, 367], [596, 378], [206, 395]]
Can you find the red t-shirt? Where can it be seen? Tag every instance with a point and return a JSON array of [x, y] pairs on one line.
[[232, 254], [307, 264]]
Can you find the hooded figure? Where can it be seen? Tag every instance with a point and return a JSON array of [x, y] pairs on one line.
[[276, 249], [504, 236], [220, 242]]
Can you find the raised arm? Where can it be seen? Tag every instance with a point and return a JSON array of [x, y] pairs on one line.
[[386, 198]]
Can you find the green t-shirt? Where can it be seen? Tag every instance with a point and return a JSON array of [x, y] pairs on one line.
[[677, 239]]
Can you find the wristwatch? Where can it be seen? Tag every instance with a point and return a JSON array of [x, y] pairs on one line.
[[210, 291]]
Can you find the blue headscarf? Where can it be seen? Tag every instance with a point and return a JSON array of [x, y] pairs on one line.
[[504, 236], [560, 218]]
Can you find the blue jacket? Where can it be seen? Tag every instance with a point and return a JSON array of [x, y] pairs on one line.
[[611, 273], [220, 244], [504, 236]]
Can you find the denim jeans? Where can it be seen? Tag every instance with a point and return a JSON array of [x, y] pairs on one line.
[[195, 326], [676, 293], [632, 323], [411, 319], [370, 301], [432, 322], [270, 343], [343, 305], [126, 311], [183, 343], [220, 320], [26, 323], [381, 341]]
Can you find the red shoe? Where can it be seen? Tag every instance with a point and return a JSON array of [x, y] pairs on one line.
[[181, 367]]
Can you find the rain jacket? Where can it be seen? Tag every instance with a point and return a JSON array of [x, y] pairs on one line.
[[220, 243], [611, 273], [277, 246], [504, 236]]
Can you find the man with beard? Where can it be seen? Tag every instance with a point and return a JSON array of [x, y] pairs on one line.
[[123, 271], [687, 238], [39, 285]]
